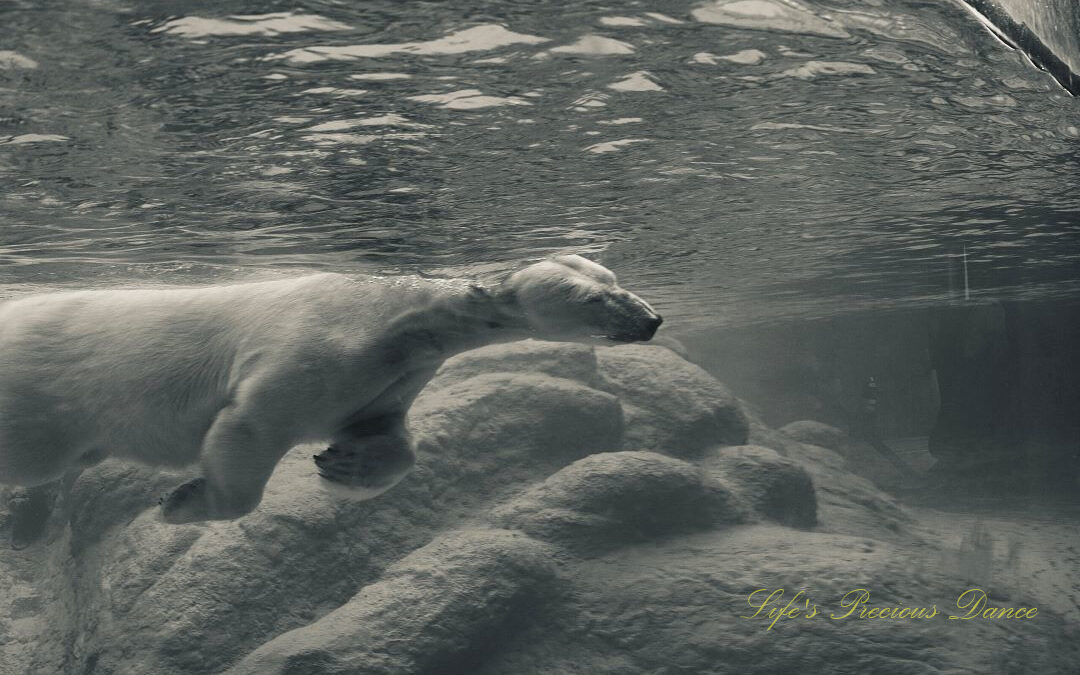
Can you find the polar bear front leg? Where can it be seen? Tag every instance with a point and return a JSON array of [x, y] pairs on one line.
[[237, 459], [368, 458]]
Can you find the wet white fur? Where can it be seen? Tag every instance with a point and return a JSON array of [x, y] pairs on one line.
[[233, 376]]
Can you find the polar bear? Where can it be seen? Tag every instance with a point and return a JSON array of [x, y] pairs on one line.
[[231, 377]]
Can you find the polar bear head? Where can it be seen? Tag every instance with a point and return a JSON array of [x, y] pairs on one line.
[[570, 298]]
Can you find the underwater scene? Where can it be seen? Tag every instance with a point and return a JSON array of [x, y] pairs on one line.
[[683, 337]]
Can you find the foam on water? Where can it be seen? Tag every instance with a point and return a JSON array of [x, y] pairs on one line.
[[639, 81], [477, 38], [23, 139], [335, 91], [622, 21], [12, 60], [663, 18], [777, 15], [379, 77], [251, 24], [468, 99], [813, 69], [360, 139], [747, 57], [595, 45], [613, 146], [381, 120]]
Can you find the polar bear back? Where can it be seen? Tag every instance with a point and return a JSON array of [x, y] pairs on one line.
[[143, 372]]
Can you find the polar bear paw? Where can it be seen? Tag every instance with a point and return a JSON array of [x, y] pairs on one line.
[[363, 471], [178, 506]]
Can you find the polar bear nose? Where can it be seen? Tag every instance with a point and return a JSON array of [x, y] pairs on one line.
[[651, 324]]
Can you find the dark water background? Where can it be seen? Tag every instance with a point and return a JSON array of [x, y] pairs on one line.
[[846, 170]]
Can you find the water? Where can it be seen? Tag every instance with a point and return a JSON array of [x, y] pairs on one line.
[[835, 160]]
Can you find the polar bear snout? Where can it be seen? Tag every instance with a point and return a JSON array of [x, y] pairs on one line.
[[646, 333], [636, 322], [651, 326]]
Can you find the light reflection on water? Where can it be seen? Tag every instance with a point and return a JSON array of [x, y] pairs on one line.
[[735, 162]]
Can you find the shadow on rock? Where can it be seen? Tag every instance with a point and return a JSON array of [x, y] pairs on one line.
[[774, 485], [433, 613], [612, 499]]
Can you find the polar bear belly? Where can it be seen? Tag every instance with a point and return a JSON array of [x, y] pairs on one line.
[[155, 436]]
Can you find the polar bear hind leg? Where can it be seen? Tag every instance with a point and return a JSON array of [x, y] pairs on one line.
[[44, 460], [30, 508]]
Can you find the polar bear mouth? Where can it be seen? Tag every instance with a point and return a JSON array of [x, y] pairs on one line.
[[643, 333], [624, 338]]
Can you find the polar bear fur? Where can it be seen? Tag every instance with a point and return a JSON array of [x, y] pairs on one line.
[[231, 377]]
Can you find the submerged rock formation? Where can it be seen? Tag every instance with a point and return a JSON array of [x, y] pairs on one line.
[[775, 486], [617, 498], [573, 510], [436, 611]]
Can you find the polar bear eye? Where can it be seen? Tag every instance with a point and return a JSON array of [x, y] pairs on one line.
[[594, 299]]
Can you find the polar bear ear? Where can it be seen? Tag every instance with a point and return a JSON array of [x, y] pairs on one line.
[[504, 295], [479, 293], [500, 299]]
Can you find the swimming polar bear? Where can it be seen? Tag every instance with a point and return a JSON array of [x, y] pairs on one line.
[[232, 377]]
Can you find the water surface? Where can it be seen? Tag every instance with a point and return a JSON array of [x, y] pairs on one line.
[[736, 162]]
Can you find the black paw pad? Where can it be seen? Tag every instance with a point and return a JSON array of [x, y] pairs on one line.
[[350, 468], [181, 493]]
